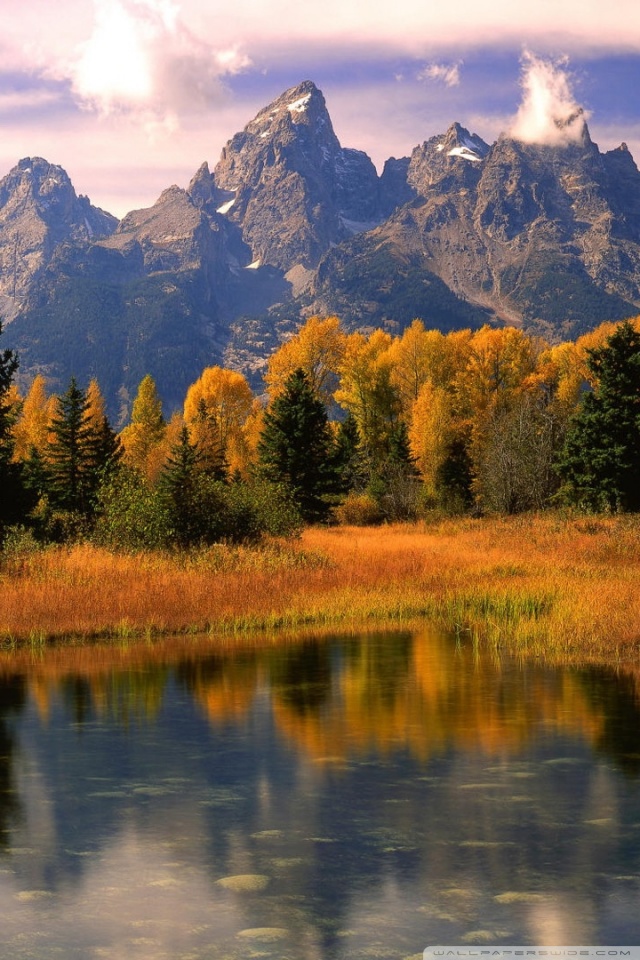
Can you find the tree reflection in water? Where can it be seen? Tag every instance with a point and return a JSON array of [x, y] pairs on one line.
[[376, 793]]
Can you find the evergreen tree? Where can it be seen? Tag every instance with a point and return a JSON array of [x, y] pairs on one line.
[[211, 445], [179, 484], [350, 464], [600, 462], [77, 454], [400, 451], [14, 500], [296, 447]]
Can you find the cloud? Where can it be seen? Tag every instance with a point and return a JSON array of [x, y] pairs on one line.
[[447, 73], [24, 101], [141, 58], [549, 113], [272, 27]]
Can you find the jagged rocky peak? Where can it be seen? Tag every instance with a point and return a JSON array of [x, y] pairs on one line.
[[460, 144], [295, 129], [203, 191], [300, 106], [39, 211], [35, 187], [174, 234], [456, 155], [291, 187]]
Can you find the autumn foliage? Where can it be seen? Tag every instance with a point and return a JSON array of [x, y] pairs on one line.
[[422, 421]]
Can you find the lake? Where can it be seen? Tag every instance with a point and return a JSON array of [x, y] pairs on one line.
[[346, 797]]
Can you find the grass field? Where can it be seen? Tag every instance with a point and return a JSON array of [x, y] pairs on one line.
[[564, 588]]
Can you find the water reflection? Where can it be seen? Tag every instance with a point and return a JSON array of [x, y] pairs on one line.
[[351, 797]]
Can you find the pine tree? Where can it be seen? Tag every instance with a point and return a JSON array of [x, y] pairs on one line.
[[205, 431], [296, 447], [352, 473], [71, 477], [600, 462], [14, 501], [179, 485]]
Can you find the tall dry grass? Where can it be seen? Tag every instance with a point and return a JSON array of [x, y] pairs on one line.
[[548, 585]]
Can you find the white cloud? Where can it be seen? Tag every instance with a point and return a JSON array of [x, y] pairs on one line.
[[22, 101], [142, 58], [151, 66], [268, 26], [549, 113], [447, 73]]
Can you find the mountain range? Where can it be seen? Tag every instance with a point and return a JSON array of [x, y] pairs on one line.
[[291, 224]]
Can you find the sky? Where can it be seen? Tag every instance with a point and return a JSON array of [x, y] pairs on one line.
[[131, 96]]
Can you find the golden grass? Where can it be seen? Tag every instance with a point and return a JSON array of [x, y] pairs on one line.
[[549, 585]]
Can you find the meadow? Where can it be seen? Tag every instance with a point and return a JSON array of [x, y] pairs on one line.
[[557, 586]]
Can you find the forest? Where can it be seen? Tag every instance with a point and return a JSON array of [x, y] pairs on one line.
[[352, 428]]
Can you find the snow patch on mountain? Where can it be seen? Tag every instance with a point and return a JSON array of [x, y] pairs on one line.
[[226, 206], [465, 153], [299, 106]]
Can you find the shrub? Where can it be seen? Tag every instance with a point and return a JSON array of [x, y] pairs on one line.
[[358, 510], [131, 514], [261, 507]]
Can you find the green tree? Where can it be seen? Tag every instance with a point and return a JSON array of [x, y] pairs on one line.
[[82, 449], [352, 472], [14, 500], [180, 482], [296, 447], [132, 515], [68, 454], [600, 463]]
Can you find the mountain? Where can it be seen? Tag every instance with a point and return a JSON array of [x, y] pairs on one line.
[[290, 223], [39, 210], [541, 237], [292, 189]]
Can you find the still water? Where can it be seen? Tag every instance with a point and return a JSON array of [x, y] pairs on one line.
[[355, 797]]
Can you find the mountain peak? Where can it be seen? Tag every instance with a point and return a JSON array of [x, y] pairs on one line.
[[39, 209], [294, 110], [458, 142], [288, 168]]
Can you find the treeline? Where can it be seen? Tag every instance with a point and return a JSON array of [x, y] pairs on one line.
[[357, 428]]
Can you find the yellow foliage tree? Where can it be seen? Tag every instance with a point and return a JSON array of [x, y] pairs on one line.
[[318, 349], [252, 432], [96, 409], [431, 432], [421, 355], [216, 410], [366, 390], [144, 435], [499, 361], [31, 431]]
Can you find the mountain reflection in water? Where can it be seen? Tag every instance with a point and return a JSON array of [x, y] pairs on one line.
[[346, 797]]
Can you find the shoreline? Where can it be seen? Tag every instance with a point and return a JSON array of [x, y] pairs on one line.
[[547, 585]]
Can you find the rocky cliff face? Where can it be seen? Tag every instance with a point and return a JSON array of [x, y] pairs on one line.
[[290, 186], [291, 223], [545, 237], [39, 210]]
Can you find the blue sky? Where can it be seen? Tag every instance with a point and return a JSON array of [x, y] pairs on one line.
[[131, 96]]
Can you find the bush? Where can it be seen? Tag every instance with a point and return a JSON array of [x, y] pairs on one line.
[[358, 510], [18, 544], [275, 511], [135, 516], [132, 515]]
